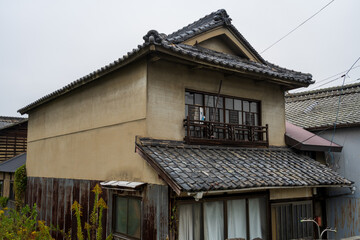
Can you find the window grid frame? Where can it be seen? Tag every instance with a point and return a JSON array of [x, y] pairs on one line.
[[224, 200], [126, 235]]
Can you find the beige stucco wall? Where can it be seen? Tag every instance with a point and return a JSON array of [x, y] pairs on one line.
[[290, 193], [166, 98], [217, 44], [90, 133]]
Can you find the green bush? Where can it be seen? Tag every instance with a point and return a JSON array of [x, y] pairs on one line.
[[20, 186], [3, 202], [22, 225]]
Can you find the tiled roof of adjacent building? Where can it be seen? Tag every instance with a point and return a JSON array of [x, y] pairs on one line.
[[193, 168], [14, 163], [6, 121], [318, 109], [172, 45]]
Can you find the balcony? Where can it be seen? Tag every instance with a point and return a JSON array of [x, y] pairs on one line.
[[206, 132]]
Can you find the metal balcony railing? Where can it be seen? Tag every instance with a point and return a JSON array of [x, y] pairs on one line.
[[207, 132]]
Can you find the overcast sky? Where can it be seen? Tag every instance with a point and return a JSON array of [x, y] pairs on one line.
[[45, 45]]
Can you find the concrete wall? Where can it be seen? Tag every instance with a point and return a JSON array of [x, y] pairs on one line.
[[166, 98], [90, 133], [344, 212]]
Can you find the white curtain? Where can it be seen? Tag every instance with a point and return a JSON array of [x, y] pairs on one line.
[[257, 219], [189, 221], [213, 221], [236, 212]]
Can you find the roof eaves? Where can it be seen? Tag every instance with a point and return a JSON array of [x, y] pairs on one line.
[[178, 49], [14, 124], [138, 148], [126, 59]]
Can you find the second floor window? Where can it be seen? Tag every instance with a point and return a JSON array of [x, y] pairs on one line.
[[223, 109]]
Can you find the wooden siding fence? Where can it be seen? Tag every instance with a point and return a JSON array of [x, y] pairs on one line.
[[54, 198]]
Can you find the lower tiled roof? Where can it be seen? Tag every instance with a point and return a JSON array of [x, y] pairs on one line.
[[193, 168]]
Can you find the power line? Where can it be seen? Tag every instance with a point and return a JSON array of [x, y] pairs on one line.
[[338, 107], [322, 80], [297, 27], [337, 113], [336, 74]]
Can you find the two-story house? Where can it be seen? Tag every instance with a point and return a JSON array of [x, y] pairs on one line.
[[186, 133]]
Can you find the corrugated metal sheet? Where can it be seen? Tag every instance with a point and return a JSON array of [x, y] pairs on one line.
[[343, 213], [121, 184]]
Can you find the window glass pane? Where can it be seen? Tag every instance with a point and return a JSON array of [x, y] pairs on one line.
[[229, 104], [227, 116], [207, 114], [246, 106], [186, 111], [194, 112], [253, 107], [257, 218], [120, 215], [240, 118], [189, 98], [234, 117], [256, 120], [199, 99], [134, 217], [189, 221], [236, 212], [213, 220], [221, 113], [209, 101], [219, 103], [237, 104]]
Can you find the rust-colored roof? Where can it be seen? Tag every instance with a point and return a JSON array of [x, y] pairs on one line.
[[302, 139]]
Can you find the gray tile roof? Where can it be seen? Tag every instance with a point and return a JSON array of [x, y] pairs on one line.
[[6, 121], [211, 21], [13, 163], [204, 168], [172, 45], [318, 109]]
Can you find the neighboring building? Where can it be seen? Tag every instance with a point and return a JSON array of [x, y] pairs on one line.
[[7, 176], [13, 143], [186, 133], [5, 121], [318, 111]]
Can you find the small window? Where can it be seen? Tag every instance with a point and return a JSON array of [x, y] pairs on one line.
[[127, 216]]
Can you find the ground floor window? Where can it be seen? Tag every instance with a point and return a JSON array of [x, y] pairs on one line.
[[285, 218], [127, 216], [223, 219]]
